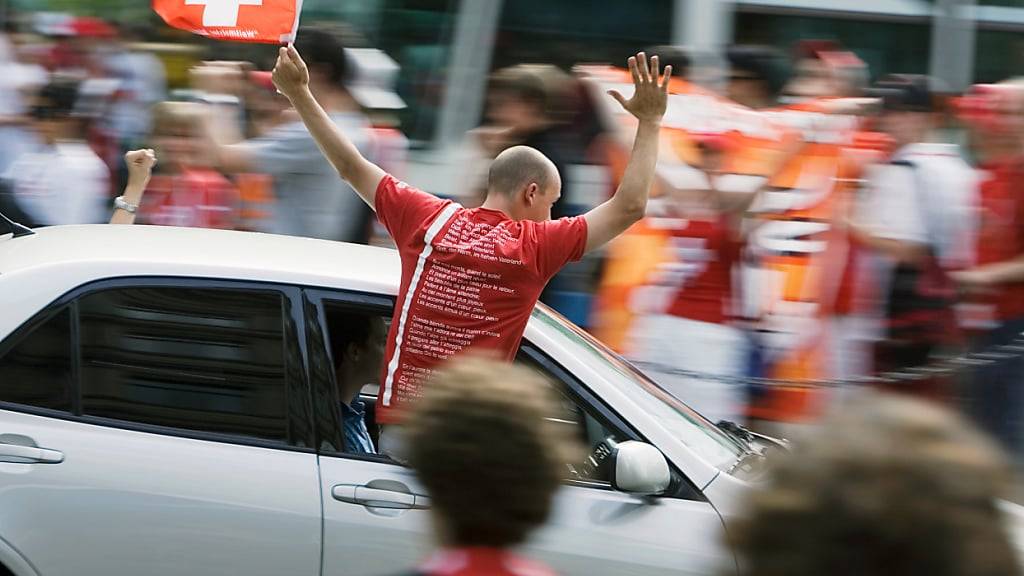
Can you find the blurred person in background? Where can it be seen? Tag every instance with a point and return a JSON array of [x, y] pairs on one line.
[[888, 485], [310, 199], [755, 76], [19, 80], [482, 445], [265, 109], [917, 222], [63, 181], [528, 105], [187, 191], [824, 69], [994, 307], [142, 83], [691, 310]]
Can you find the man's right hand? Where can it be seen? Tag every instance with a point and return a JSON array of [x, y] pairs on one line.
[[290, 73], [649, 98]]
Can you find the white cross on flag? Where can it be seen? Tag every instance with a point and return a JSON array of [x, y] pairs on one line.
[[270, 21]]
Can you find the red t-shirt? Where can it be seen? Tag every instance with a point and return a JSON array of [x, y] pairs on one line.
[[195, 197], [481, 562], [705, 252], [470, 278], [1001, 231]]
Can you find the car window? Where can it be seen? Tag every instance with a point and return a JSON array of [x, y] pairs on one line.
[[582, 423], [684, 423], [36, 370], [200, 359], [355, 339]]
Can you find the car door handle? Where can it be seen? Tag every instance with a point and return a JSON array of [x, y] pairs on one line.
[[16, 453], [373, 497]]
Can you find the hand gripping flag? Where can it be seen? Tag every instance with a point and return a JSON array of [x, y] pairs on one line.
[[270, 21]]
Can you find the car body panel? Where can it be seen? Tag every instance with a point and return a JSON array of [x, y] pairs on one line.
[[157, 504], [592, 530]]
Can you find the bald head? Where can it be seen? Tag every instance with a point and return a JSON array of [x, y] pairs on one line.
[[518, 167]]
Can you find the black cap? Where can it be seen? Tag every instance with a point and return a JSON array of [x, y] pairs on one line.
[[904, 92]]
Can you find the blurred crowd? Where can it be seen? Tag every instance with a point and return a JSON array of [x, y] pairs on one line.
[[809, 227]]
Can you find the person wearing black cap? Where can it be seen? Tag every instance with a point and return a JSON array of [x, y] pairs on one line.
[[755, 76], [917, 220]]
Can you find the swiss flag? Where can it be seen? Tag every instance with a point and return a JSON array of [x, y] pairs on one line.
[[270, 21]]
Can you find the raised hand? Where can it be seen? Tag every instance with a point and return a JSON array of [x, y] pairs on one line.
[[290, 73], [649, 97], [140, 166]]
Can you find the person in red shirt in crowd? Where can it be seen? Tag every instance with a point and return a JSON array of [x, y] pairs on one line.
[[187, 192], [693, 297], [994, 308], [471, 277], [480, 424]]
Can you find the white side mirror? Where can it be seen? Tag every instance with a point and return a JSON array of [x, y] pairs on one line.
[[639, 468]]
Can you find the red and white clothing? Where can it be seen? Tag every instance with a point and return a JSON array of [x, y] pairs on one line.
[[470, 279], [481, 562], [1001, 236], [706, 251], [195, 197], [685, 325]]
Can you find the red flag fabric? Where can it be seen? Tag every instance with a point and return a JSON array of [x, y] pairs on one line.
[[269, 21]]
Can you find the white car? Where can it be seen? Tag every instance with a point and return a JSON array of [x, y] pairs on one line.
[[167, 407]]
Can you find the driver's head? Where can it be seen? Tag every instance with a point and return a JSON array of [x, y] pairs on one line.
[[481, 445], [892, 485], [527, 182], [357, 345]]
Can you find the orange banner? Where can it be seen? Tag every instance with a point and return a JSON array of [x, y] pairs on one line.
[[793, 252]]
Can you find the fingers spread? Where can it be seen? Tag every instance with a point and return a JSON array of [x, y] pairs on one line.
[[645, 72], [634, 70], [666, 78]]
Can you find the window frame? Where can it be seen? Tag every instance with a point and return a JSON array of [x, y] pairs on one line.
[[299, 426], [681, 487], [327, 413]]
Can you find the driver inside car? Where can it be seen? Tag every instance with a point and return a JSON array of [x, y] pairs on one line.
[[357, 347]]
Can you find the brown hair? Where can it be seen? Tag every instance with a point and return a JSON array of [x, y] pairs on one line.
[[482, 446], [892, 485]]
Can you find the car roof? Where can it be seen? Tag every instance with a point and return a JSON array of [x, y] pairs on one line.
[[120, 250]]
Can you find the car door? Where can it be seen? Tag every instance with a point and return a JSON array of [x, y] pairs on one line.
[[373, 524], [375, 512], [160, 427]]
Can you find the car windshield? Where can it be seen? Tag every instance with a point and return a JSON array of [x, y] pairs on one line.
[[692, 429]]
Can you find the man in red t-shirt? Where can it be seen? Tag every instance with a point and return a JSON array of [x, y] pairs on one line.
[[994, 311], [471, 277]]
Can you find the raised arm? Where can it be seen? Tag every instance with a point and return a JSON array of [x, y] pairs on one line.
[[628, 204], [140, 168], [292, 78]]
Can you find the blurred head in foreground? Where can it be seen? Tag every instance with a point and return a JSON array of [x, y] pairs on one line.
[[485, 452], [890, 486]]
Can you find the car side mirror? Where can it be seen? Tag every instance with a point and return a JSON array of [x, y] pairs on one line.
[[639, 468]]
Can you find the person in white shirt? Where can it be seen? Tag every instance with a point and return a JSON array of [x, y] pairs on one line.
[[917, 219], [64, 181]]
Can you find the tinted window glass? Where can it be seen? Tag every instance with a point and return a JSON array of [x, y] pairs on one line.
[[37, 370], [210, 360]]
